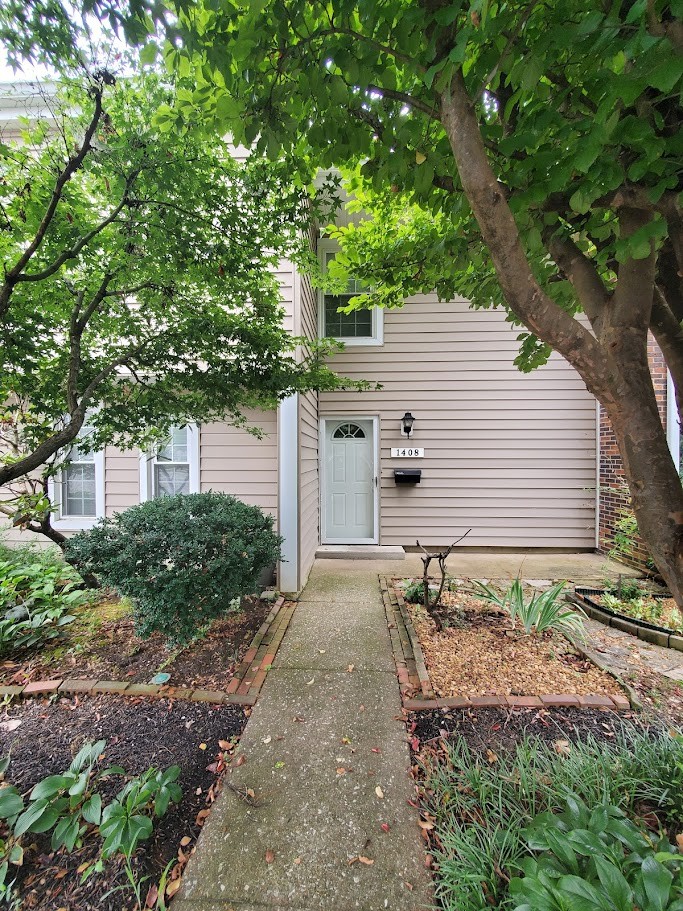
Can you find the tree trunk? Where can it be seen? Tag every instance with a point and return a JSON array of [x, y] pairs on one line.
[[614, 366]]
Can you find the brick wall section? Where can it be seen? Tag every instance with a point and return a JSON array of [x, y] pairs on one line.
[[613, 489]]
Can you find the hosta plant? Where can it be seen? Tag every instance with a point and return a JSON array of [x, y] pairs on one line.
[[596, 860], [541, 612]]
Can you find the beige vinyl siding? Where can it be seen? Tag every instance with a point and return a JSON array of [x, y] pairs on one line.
[[236, 462], [286, 277], [511, 455], [121, 479], [309, 490]]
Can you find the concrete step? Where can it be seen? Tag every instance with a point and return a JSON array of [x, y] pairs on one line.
[[360, 552]]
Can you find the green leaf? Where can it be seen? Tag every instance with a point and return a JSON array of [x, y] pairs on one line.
[[92, 809], [11, 802], [657, 883], [51, 786], [614, 884]]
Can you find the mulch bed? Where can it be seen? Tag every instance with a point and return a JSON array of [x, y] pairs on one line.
[[102, 644], [139, 733], [478, 655], [489, 729]]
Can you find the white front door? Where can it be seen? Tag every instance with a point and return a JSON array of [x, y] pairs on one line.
[[349, 481]]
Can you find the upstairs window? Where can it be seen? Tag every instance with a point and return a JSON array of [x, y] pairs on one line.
[[360, 327]]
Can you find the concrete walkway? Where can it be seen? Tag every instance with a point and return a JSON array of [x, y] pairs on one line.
[[326, 757]]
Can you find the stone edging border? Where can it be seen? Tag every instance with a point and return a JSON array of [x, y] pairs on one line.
[[648, 632], [416, 688], [243, 689]]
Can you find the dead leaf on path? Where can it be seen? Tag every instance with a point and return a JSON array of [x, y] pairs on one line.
[[251, 793], [375, 750], [362, 708], [562, 747], [267, 739], [60, 874], [409, 886], [428, 861], [491, 756], [226, 744], [365, 860], [297, 860], [341, 771], [184, 842], [240, 760], [379, 792], [270, 856], [309, 682], [351, 668], [425, 824], [385, 827], [82, 868], [172, 887], [322, 651], [299, 718], [201, 817], [346, 740], [202, 746]]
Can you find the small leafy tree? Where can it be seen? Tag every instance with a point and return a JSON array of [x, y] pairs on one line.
[[183, 560], [138, 288]]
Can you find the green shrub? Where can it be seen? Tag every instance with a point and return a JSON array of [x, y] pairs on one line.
[[36, 591], [543, 611], [414, 592], [596, 859], [182, 560]]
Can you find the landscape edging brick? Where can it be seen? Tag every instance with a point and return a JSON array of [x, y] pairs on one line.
[[251, 671]]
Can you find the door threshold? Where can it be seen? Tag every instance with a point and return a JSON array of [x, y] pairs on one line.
[[360, 552]]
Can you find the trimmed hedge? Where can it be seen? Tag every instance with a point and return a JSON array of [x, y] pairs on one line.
[[182, 560]]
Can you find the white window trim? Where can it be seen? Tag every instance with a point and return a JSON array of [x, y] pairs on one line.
[[673, 428], [377, 338], [78, 523], [147, 461]]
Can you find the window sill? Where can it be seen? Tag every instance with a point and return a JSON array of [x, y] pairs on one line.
[[75, 523], [358, 342]]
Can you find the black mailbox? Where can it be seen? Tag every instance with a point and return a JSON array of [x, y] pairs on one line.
[[407, 475]]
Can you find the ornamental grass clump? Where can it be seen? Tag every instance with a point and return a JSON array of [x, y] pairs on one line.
[[183, 560], [544, 611]]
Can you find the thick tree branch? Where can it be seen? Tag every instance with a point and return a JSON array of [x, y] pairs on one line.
[[583, 275], [632, 298], [406, 99], [524, 296]]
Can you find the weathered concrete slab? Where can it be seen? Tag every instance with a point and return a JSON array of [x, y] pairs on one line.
[[319, 744]]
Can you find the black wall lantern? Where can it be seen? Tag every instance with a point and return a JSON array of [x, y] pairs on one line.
[[407, 422]]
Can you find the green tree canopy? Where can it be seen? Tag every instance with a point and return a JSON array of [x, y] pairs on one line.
[[139, 287]]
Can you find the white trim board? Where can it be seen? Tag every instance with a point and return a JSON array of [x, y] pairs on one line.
[[288, 493], [340, 418]]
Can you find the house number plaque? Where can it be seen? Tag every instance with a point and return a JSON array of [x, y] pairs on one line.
[[405, 452]]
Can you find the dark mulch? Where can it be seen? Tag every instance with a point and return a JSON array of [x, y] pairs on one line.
[[492, 729], [139, 734], [102, 643]]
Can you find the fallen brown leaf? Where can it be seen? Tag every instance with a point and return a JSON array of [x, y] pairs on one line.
[[202, 746], [351, 668], [270, 856], [379, 792], [562, 747], [172, 887], [184, 841], [297, 860], [341, 770], [365, 860], [385, 827], [152, 896], [491, 756]]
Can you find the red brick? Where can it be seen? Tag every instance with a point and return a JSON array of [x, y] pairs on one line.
[[237, 699], [417, 705], [621, 703], [524, 702], [41, 686], [559, 700], [233, 685], [267, 661], [595, 702], [258, 680], [454, 702], [488, 701], [249, 656]]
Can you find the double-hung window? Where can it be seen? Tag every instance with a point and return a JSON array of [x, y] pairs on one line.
[[359, 327], [77, 491], [173, 467]]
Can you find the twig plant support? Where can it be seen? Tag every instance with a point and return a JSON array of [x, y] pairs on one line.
[[441, 556]]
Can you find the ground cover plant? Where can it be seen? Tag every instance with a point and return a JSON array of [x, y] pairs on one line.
[[482, 804], [38, 593], [184, 561], [642, 601], [509, 640], [146, 738]]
